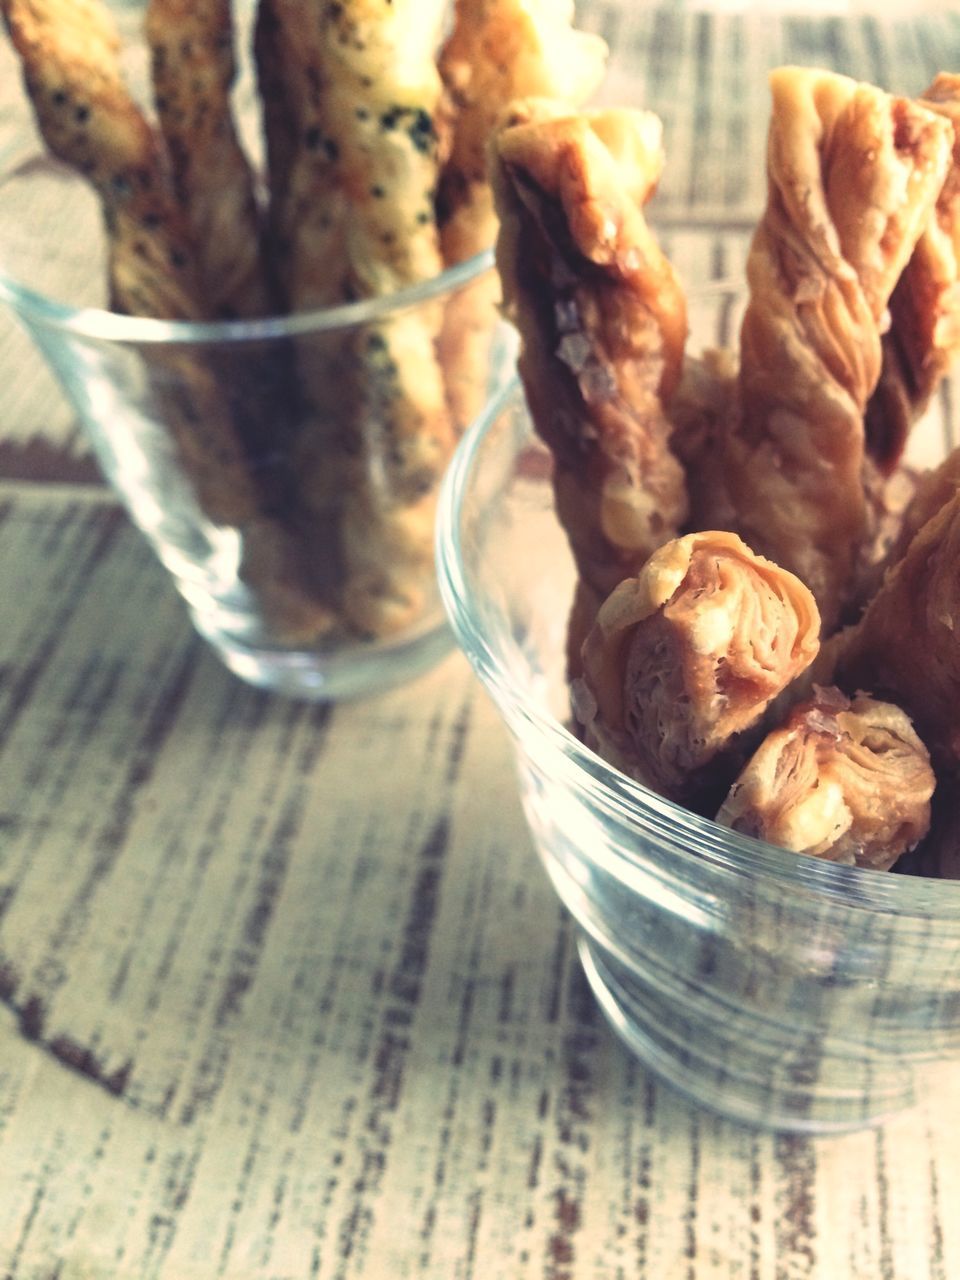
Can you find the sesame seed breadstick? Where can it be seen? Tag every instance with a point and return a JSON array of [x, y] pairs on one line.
[[279, 119], [70, 55], [383, 104], [193, 68], [69, 51], [308, 206]]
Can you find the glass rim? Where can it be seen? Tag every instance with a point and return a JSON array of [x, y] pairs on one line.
[[622, 798], [112, 326]]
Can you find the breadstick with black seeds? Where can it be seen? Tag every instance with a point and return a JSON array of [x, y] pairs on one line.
[[193, 68]]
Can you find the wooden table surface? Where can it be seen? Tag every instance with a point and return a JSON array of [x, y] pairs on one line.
[[284, 991]]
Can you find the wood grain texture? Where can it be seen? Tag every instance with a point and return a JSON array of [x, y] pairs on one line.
[[261, 1021], [284, 991]]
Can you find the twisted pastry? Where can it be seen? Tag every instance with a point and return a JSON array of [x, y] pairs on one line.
[[905, 645], [69, 51], [602, 322], [853, 176], [497, 51], [924, 335]]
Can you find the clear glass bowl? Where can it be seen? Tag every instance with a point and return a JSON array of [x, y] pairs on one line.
[[218, 437], [772, 988]]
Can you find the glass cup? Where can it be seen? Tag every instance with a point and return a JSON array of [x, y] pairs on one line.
[[773, 988], [255, 455]]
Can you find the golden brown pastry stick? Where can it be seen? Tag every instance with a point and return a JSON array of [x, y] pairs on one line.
[[497, 51], [931, 491], [923, 340], [279, 119], [382, 117], [686, 656], [853, 176], [306, 258], [308, 210], [905, 646], [193, 68], [70, 55], [69, 51], [846, 781], [602, 322]]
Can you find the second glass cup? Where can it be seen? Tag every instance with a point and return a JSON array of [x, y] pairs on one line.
[[286, 470]]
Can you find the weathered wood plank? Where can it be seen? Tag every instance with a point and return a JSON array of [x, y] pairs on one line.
[[260, 1021]]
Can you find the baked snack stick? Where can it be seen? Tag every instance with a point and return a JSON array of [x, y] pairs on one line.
[[931, 490], [686, 656], [306, 261], [853, 176], [70, 55], [87, 117], [602, 323], [846, 781], [497, 51], [308, 206], [382, 103], [905, 645], [193, 69], [923, 340], [69, 51], [279, 121]]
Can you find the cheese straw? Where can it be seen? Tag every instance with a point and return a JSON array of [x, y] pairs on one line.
[[497, 51], [853, 177], [602, 323]]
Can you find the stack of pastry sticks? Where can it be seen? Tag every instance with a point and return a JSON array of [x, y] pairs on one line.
[[327, 458], [760, 632]]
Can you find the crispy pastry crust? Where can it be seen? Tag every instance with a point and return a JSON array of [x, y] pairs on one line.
[[924, 335], [69, 51], [687, 655], [847, 781], [193, 67], [602, 322], [497, 51], [853, 176], [905, 644]]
